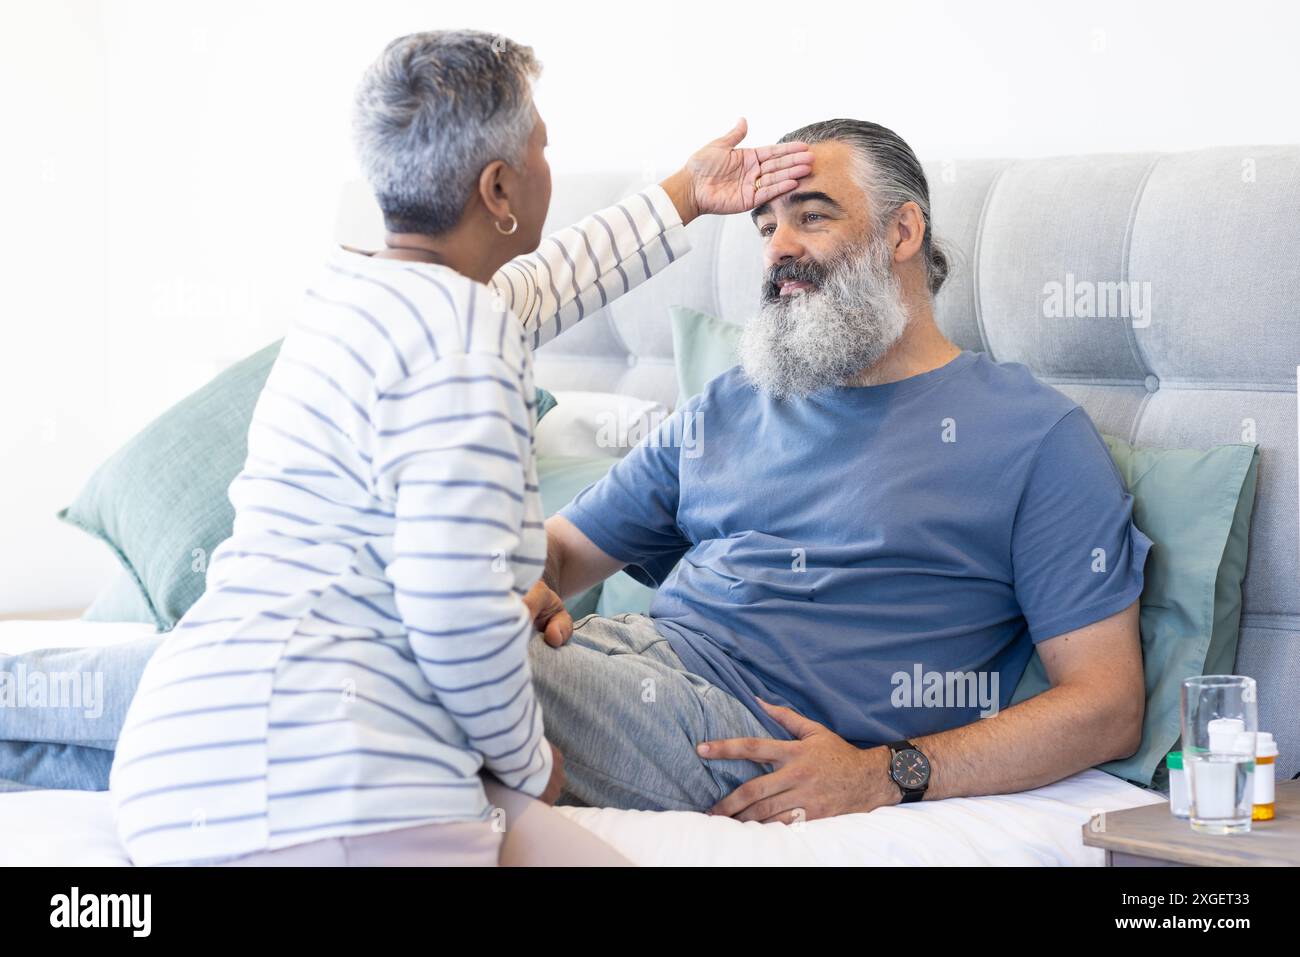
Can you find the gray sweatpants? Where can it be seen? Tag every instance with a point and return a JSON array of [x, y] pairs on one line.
[[627, 715]]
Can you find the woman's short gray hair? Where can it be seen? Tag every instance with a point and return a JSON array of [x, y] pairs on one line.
[[431, 112]]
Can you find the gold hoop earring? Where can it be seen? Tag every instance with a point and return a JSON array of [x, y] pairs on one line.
[[514, 224]]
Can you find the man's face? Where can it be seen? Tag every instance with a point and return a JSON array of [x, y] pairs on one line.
[[827, 212], [831, 303]]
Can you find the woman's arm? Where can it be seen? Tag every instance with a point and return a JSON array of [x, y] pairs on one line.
[[581, 268]]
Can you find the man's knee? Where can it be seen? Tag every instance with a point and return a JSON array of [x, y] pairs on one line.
[[549, 666]]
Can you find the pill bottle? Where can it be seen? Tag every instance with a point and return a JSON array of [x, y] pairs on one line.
[[1265, 768]]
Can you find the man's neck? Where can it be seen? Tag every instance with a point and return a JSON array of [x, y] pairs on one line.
[[921, 348]]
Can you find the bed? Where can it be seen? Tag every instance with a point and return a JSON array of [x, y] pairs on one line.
[[1039, 827]]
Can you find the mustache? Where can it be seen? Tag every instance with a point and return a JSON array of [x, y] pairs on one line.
[[799, 270]]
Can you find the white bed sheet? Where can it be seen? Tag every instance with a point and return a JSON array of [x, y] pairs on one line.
[[19, 636], [1039, 827]]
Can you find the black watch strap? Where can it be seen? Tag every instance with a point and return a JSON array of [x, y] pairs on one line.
[[909, 794]]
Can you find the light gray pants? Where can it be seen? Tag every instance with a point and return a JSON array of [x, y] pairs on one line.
[[523, 832], [627, 715]]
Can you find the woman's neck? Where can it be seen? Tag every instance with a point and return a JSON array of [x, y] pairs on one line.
[[468, 251]]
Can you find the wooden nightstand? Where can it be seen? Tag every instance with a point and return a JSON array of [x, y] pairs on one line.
[[1150, 836]]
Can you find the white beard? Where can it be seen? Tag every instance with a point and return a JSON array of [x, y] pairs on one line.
[[805, 342]]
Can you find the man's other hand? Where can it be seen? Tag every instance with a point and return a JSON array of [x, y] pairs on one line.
[[817, 775]]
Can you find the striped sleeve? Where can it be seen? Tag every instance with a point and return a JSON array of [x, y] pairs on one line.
[[581, 268], [456, 471]]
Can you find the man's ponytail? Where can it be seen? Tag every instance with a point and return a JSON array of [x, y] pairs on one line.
[[938, 267]]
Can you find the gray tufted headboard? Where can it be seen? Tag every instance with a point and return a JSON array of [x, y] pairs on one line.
[[1213, 237]]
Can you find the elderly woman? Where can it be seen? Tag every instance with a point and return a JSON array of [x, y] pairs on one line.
[[359, 657]]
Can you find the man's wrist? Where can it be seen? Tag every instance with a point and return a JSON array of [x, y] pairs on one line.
[[680, 188], [882, 789]]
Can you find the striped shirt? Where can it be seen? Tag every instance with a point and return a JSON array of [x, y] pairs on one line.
[[360, 653]]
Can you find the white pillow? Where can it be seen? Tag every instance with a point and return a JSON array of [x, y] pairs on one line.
[[593, 424]]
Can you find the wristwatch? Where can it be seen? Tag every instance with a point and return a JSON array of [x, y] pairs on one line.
[[909, 769]]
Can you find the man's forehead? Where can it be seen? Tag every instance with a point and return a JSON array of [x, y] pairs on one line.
[[832, 175], [831, 156]]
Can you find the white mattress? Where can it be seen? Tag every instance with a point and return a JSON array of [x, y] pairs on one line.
[[1039, 827]]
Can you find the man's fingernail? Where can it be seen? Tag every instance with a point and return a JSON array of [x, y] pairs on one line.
[[702, 748]]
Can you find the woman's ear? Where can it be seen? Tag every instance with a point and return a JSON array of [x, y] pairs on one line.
[[494, 187]]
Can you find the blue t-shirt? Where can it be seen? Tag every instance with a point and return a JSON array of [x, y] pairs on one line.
[[881, 559]]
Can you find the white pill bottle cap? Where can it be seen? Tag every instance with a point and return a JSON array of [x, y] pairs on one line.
[[1224, 732]]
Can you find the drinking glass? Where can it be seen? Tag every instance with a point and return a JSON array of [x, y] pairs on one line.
[[1219, 722]]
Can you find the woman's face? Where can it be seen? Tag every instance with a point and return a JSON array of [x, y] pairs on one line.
[[535, 194]]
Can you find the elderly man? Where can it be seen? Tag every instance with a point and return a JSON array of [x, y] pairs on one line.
[[871, 534]]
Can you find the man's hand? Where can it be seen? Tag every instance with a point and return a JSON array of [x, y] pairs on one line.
[[818, 774], [718, 178], [550, 617], [556, 784]]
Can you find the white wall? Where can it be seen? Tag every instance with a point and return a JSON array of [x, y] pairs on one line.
[[171, 170], [54, 383]]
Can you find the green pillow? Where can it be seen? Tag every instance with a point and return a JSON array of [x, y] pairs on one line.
[[704, 347], [121, 600], [1195, 506], [545, 403], [160, 502]]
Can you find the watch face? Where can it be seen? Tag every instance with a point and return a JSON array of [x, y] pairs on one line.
[[910, 768]]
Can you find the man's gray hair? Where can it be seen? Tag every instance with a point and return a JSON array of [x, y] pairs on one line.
[[431, 112], [890, 174]]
